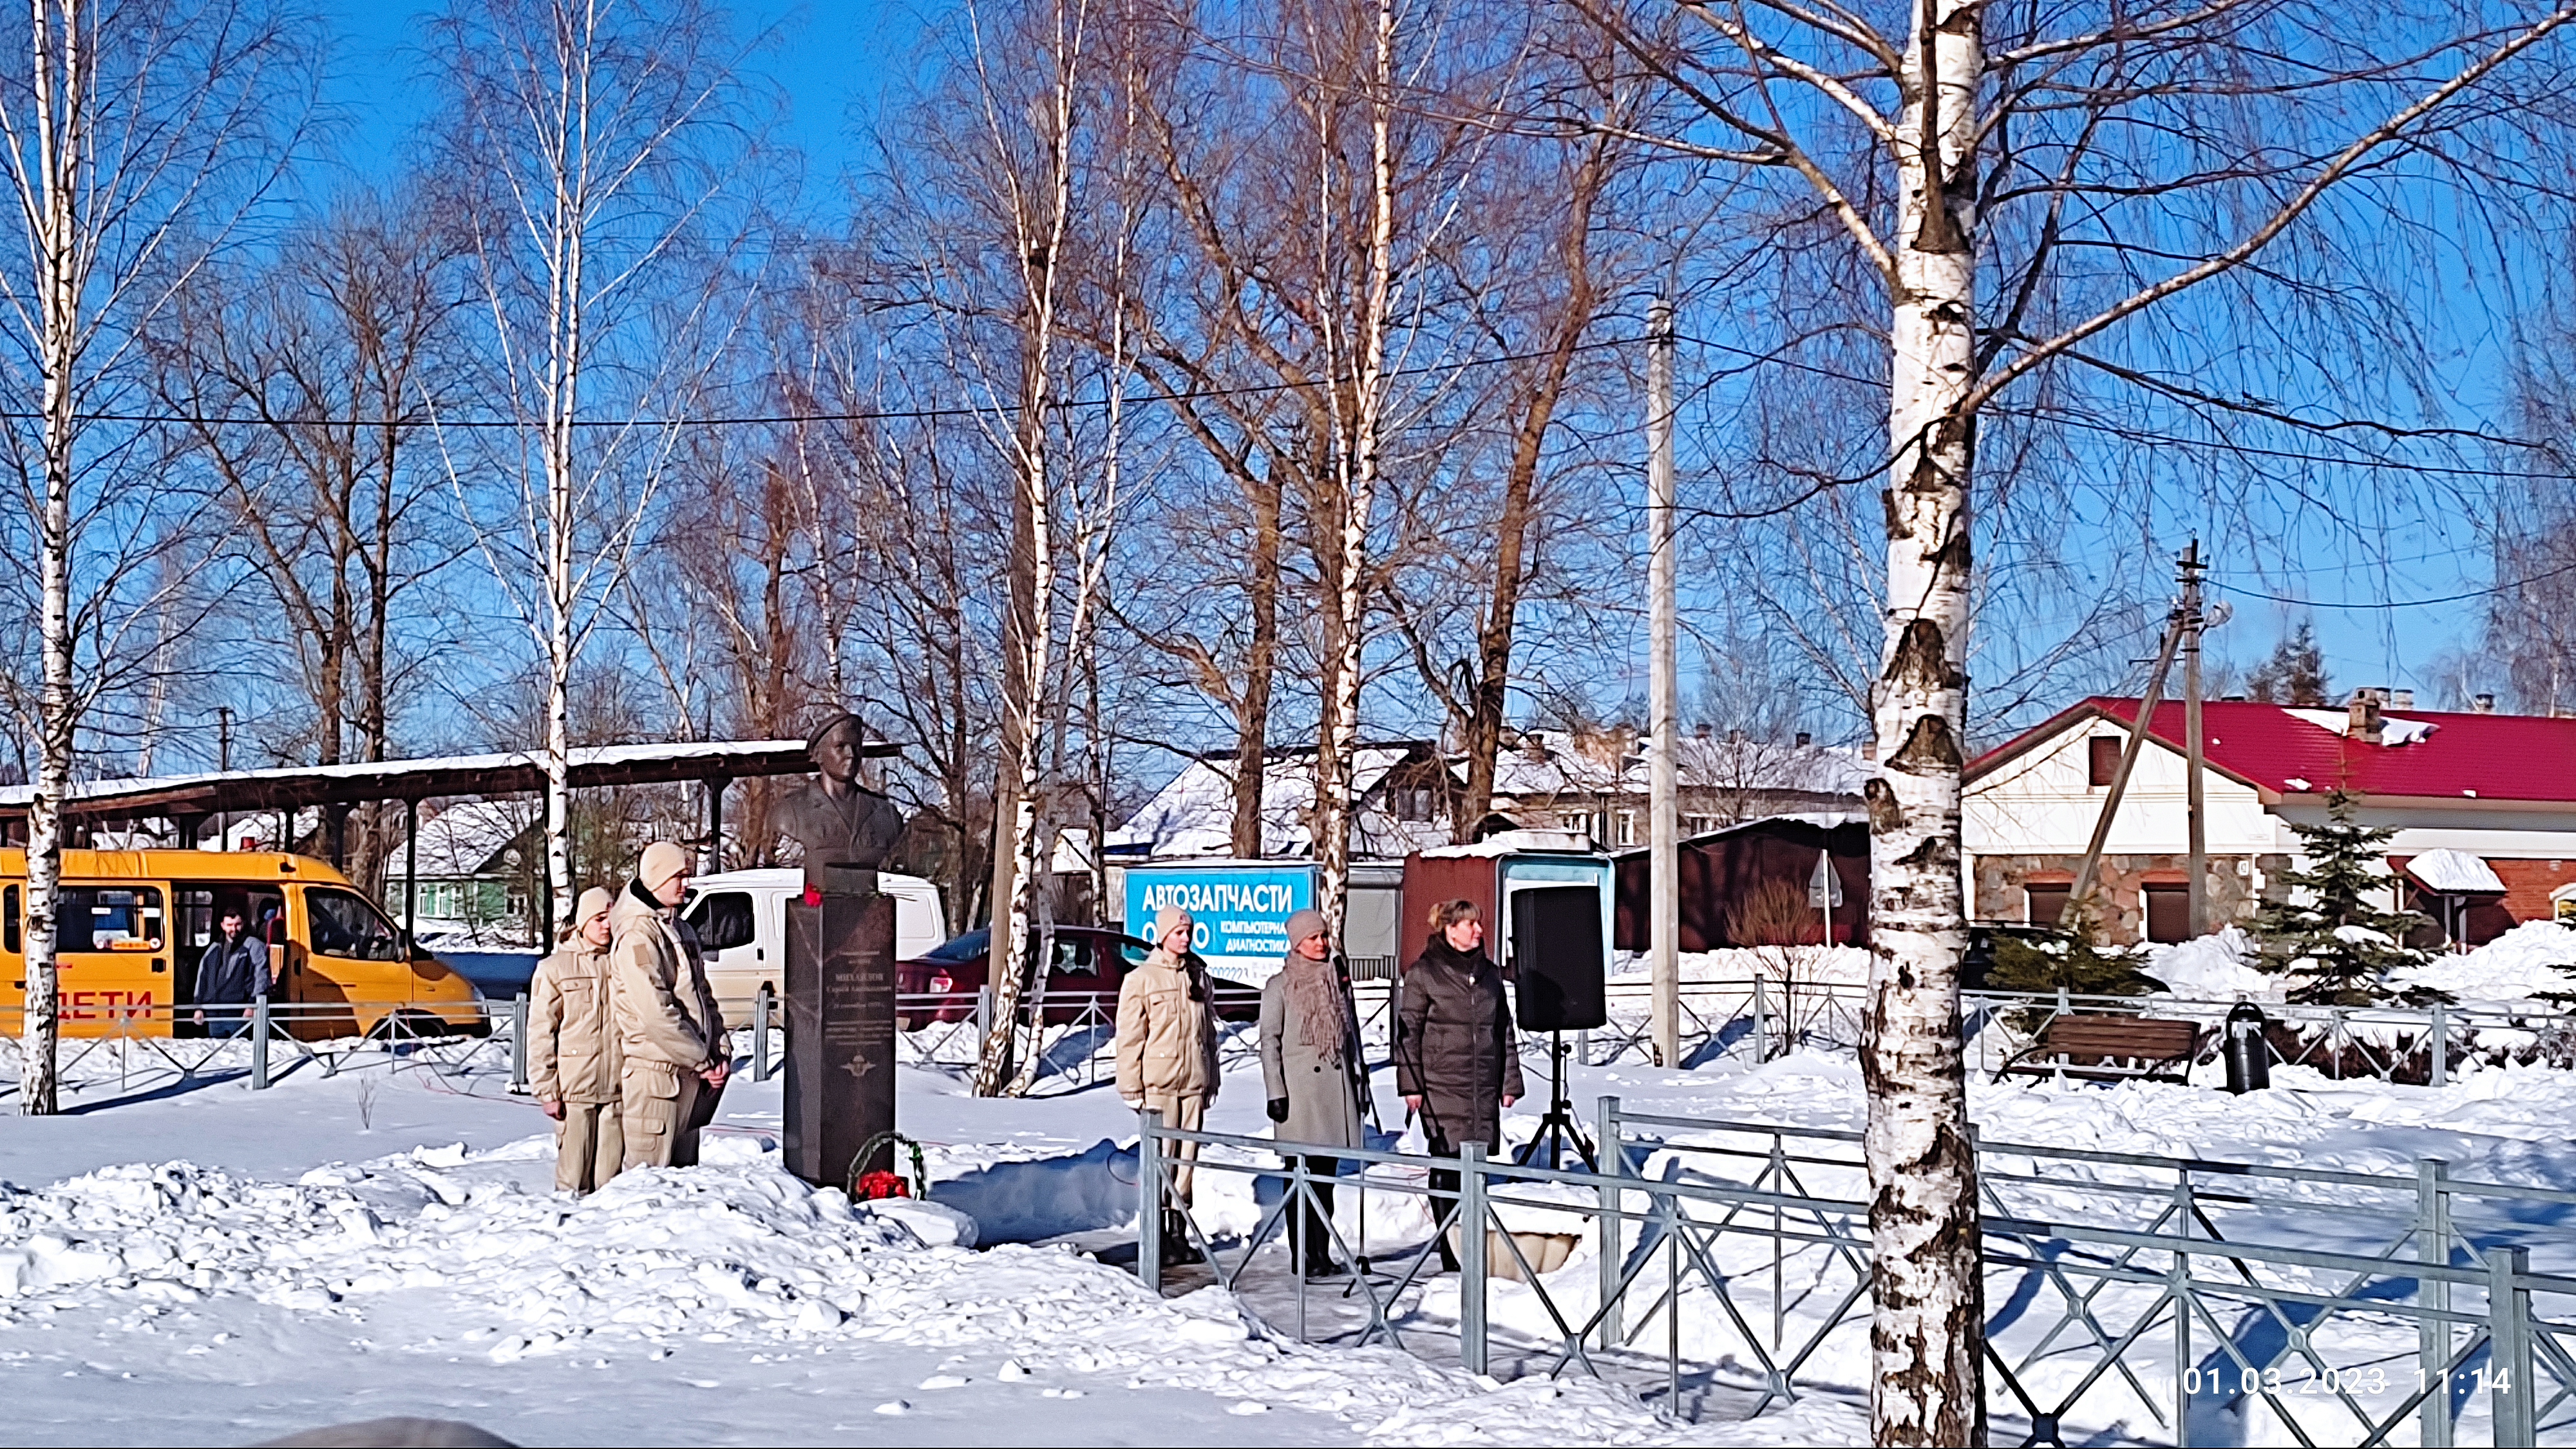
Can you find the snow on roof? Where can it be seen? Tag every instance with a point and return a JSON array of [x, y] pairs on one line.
[[1551, 765], [1193, 814], [468, 837], [2454, 872], [748, 756], [1514, 842], [2276, 749]]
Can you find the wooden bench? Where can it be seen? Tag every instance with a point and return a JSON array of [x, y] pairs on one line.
[[2103, 1048]]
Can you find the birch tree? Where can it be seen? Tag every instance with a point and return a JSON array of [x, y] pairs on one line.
[[137, 135], [2029, 191], [599, 150]]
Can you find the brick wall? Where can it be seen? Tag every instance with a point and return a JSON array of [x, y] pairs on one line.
[[2120, 897]]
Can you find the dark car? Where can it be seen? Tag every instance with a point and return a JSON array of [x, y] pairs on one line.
[[1086, 966]]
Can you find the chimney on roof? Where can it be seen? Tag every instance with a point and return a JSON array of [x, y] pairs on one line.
[[1869, 750], [2362, 717], [2401, 699], [1805, 739], [2482, 704]]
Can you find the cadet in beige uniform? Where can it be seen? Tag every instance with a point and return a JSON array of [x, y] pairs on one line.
[[572, 1051], [673, 1053], [1167, 1053]]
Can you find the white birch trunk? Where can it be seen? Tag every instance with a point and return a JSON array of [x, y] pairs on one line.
[[59, 92], [1002, 1065], [562, 398], [1928, 1323], [1358, 459]]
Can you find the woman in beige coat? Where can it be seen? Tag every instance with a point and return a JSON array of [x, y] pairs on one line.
[[572, 1051], [1167, 1053]]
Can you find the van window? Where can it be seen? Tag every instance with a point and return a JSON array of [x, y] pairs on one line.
[[346, 925], [111, 918], [722, 920]]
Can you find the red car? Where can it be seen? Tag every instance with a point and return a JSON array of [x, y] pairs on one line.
[[1087, 965]]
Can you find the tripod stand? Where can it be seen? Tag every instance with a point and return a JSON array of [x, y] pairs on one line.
[[1558, 1129]]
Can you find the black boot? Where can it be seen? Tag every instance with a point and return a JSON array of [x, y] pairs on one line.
[[1178, 1250], [1315, 1251]]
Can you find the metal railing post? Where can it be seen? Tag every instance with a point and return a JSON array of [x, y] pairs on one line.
[[518, 1044], [760, 1010], [259, 1043], [1613, 1248], [1149, 1199], [2441, 1056], [2433, 1332], [2509, 1386], [1471, 1256], [1761, 1023]]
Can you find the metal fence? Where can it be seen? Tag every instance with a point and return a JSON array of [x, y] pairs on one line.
[[1754, 1021], [2128, 1297], [263, 1039]]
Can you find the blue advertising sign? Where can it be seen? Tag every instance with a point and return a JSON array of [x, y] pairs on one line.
[[1241, 910]]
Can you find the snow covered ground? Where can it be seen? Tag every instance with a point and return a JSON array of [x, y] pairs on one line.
[[209, 1265], [200, 1263]]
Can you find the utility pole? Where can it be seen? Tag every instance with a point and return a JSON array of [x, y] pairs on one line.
[[224, 764], [1663, 691], [2198, 866]]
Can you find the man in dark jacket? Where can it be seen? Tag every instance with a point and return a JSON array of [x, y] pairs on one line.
[[1457, 1061], [234, 970]]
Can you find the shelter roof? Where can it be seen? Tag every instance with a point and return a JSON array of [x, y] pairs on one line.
[[517, 772]]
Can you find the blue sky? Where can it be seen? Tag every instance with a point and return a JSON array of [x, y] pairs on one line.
[[833, 64]]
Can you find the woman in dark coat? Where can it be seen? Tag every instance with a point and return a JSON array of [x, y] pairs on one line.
[[1457, 1062]]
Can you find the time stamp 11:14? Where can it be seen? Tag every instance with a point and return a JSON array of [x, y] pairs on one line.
[[2366, 1382]]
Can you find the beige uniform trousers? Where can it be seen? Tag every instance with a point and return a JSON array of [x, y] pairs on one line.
[[1186, 1112], [661, 1119], [590, 1146]]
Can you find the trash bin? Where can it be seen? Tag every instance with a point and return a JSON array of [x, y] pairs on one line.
[[2249, 1060]]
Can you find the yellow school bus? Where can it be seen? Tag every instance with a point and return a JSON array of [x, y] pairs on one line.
[[135, 924]]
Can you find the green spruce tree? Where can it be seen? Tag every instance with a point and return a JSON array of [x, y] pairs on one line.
[[2294, 674], [2324, 933], [2071, 958]]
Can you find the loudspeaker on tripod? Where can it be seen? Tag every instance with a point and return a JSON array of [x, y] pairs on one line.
[[1558, 957]]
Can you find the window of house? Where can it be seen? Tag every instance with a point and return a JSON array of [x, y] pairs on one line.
[[2102, 759], [1701, 824], [1410, 803], [2044, 905], [2168, 913], [1627, 827], [1574, 823]]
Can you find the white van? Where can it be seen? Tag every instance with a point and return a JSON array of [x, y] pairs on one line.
[[741, 920]]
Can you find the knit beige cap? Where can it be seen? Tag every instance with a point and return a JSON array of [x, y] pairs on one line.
[[1170, 919], [662, 860]]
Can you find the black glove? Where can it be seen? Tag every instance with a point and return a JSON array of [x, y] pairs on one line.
[[1278, 1109]]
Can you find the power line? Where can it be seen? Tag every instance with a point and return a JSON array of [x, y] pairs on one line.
[[2503, 588], [779, 419]]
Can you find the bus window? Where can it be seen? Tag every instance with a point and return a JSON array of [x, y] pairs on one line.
[[111, 918], [9, 931], [344, 924]]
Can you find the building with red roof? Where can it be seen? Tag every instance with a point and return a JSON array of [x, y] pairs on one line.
[[2484, 806]]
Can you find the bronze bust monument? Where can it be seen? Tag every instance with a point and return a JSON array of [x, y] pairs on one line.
[[847, 829]]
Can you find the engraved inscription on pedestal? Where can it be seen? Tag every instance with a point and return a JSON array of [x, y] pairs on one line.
[[840, 1037]]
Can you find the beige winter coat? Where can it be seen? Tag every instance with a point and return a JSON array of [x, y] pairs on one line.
[[666, 1015], [572, 1043], [1166, 1040]]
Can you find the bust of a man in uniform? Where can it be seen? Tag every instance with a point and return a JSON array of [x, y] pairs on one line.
[[847, 829]]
